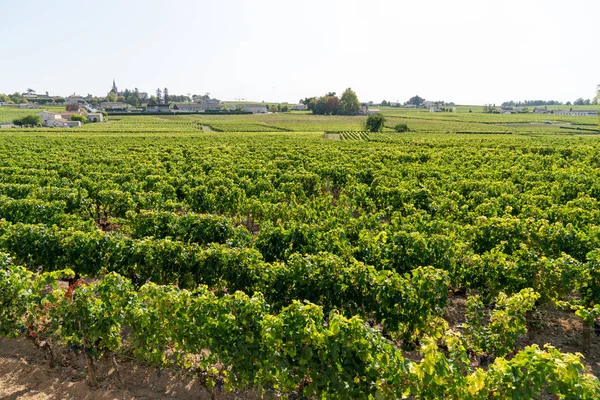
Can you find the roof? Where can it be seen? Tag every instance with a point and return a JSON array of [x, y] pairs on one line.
[[110, 104], [190, 105]]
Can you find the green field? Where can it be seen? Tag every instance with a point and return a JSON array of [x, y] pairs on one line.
[[253, 252]]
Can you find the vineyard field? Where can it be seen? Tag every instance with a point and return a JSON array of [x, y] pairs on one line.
[[458, 260]]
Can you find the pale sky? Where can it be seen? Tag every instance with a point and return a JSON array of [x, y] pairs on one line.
[[466, 51]]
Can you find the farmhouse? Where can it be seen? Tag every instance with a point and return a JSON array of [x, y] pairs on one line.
[[73, 107], [435, 110], [299, 107], [95, 117], [205, 105], [256, 109], [157, 108], [55, 120], [577, 113], [107, 105], [190, 107], [541, 110], [365, 110], [409, 106]]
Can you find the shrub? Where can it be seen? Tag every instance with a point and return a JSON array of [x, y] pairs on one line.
[[29, 120], [375, 123], [401, 128], [80, 118]]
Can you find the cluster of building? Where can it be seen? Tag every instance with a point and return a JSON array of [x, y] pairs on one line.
[[64, 119], [571, 112]]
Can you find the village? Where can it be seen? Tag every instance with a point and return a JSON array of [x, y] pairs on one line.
[[93, 109]]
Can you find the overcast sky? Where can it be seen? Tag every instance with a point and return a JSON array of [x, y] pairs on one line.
[[466, 51]]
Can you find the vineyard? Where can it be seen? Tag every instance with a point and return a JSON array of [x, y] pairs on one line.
[[256, 256]]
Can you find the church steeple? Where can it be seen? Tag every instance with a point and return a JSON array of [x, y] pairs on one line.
[[114, 88]]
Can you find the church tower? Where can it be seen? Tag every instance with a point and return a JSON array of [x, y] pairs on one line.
[[114, 88]]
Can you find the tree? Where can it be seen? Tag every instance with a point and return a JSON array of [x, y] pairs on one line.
[[310, 103], [111, 96], [158, 95], [597, 97], [375, 123], [32, 120], [4, 98], [384, 103], [80, 118], [332, 105], [166, 95], [29, 120], [133, 100], [579, 102], [349, 103], [416, 100]]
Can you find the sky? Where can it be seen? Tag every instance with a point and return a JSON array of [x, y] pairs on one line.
[[464, 51]]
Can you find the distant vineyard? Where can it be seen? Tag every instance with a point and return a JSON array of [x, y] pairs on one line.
[[388, 265]]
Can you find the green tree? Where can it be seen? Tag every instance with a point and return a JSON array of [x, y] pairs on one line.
[[166, 95], [375, 123], [349, 103], [15, 97], [4, 98], [80, 118], [133, 100], [29, 120], [32, 120], [416, 100], [111, 96]]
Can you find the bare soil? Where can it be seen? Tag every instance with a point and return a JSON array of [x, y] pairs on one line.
[[24, 374], [561, 329]]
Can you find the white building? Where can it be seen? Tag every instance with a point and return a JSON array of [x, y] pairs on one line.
[[256, 109], [157, 108], [299, 107], [107, 105], [54, 120], [95, 117], [190, 107], [365, 110], [577, 113], [435, 110], [204, 105]]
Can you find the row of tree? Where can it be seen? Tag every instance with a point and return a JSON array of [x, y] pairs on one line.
[[536, 103], [330, 104]]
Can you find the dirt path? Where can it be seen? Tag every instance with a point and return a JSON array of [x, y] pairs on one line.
[[25, 375]]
